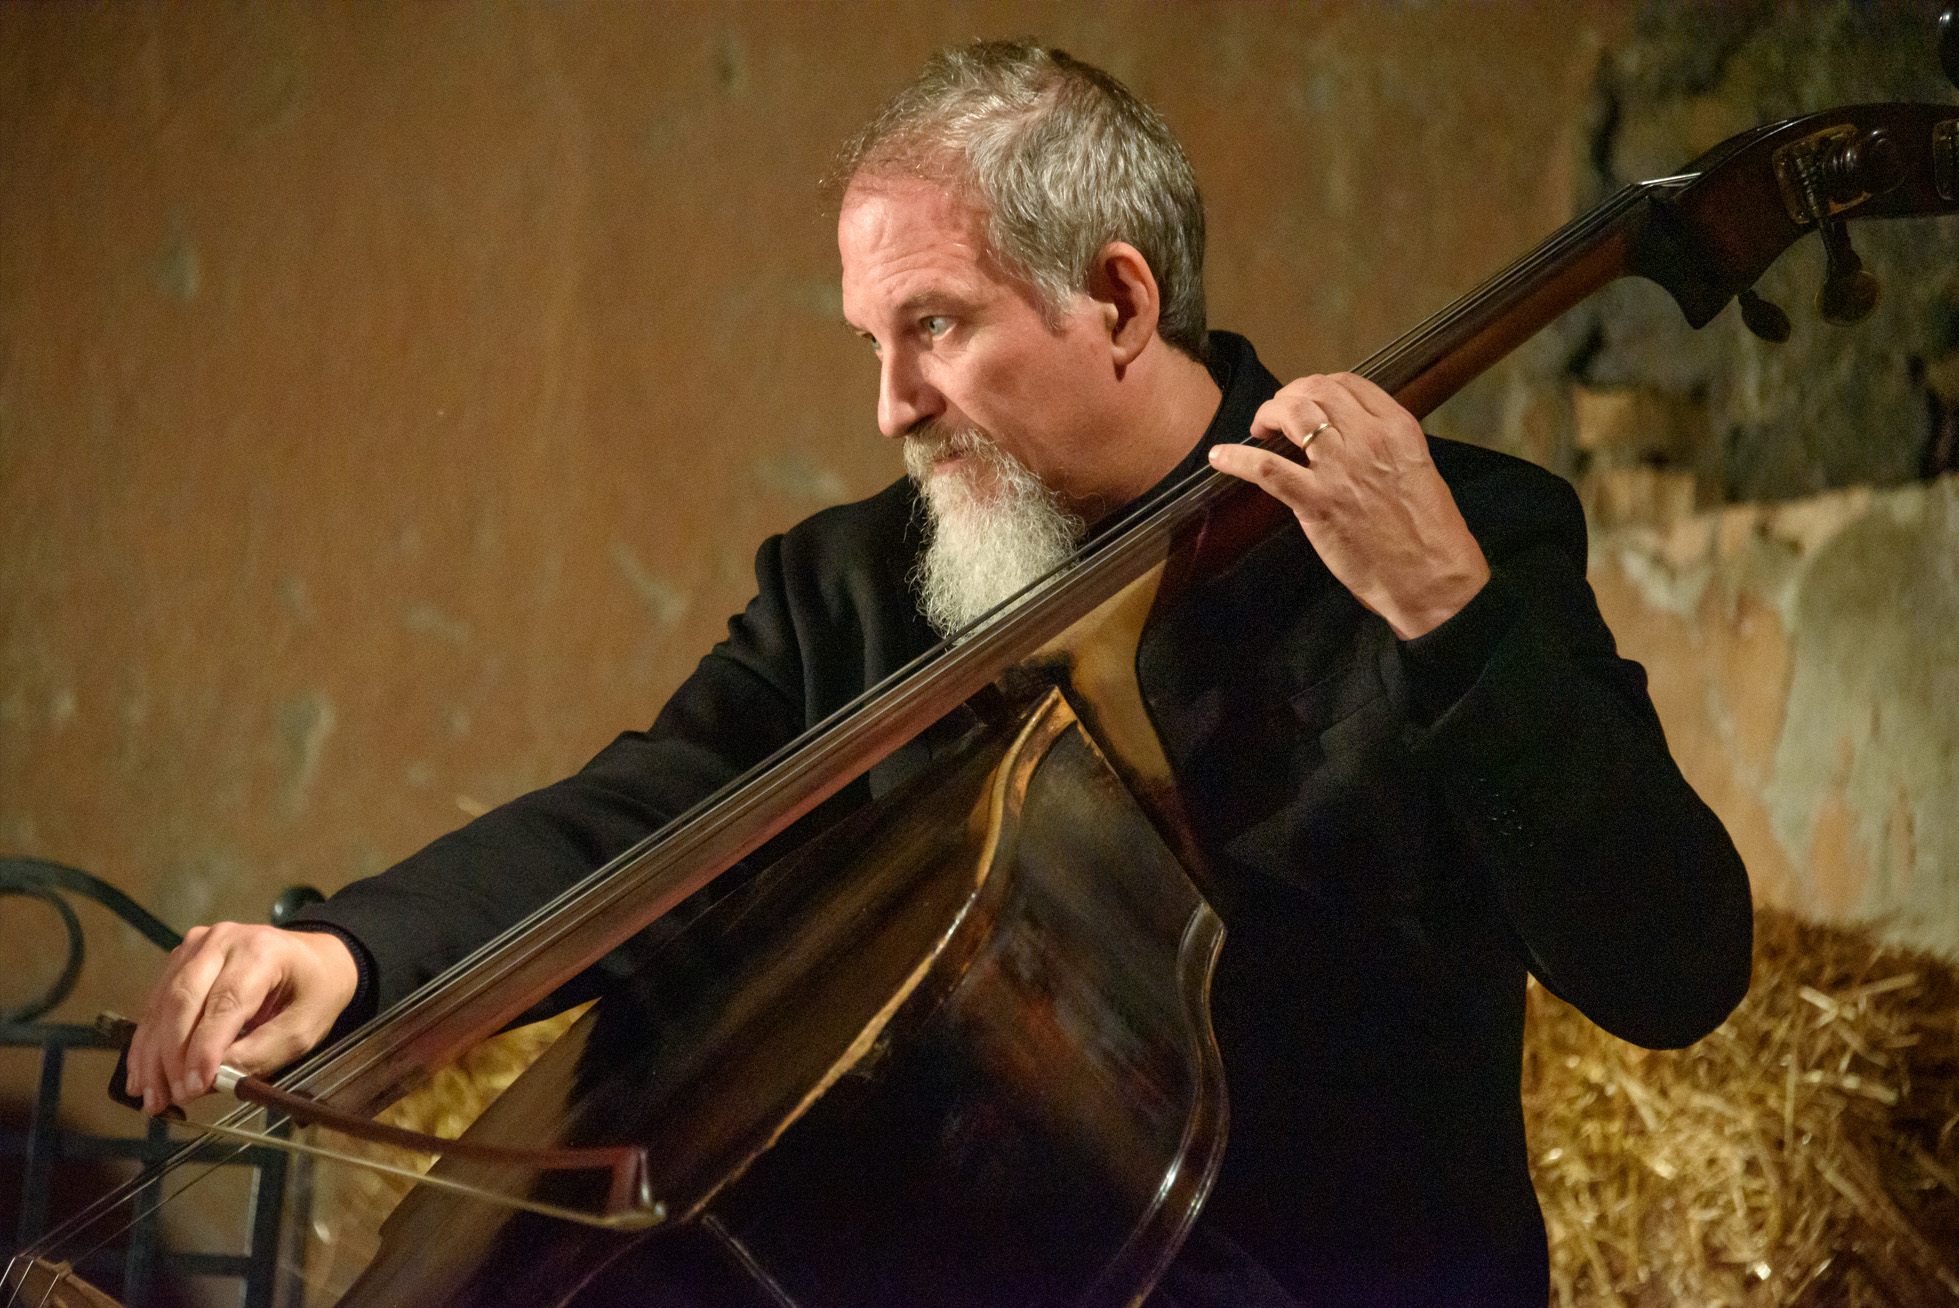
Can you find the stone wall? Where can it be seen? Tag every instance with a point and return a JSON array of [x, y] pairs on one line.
[[1764, 540], [1743, 420]]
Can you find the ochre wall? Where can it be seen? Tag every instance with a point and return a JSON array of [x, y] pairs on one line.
[[391, 398]]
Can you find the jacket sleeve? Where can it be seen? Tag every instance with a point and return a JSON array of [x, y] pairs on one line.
[[1622, 886], [422, 915]]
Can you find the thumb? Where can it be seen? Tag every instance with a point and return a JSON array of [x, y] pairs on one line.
[[281, 1039]]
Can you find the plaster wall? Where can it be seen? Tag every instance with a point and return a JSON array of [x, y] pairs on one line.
[[1805, 660], [392, 398]]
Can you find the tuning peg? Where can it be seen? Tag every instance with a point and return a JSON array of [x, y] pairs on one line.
[[1850, 290], [1764, 318]]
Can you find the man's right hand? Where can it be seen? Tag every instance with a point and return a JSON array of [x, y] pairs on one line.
[[255, 997]]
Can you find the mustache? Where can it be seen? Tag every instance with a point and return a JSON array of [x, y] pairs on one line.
[[934, 440]]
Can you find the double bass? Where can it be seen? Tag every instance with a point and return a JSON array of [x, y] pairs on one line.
[[956, 1048]]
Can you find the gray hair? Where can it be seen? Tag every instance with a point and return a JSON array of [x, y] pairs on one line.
[[1061, 158]]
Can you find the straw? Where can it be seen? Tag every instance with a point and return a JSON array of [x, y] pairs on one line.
[[1807, 1152]]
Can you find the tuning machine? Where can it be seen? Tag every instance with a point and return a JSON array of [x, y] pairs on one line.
[[1824, 176]]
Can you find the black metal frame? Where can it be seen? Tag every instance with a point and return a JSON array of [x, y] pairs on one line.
[[130, 1264]]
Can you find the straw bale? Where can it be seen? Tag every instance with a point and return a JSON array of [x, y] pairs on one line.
[[1807, 1152]]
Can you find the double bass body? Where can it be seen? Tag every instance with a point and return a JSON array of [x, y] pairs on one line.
[[956, 1051]]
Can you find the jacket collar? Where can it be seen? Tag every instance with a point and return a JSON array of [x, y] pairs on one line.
[[1246, 384]]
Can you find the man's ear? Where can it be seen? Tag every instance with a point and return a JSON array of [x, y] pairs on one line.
[[1121, 281]]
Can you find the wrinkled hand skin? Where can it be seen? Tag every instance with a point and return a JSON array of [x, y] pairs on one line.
[[1369, 499], [255, 997]]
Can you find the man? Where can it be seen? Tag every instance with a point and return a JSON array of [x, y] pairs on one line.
[[1413, 763]]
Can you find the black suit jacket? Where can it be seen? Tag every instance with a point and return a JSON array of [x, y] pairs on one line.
[[1397, 832]]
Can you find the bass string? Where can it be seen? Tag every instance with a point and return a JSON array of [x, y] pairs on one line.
[[953, 662], [1110, 558], [1176, 506], [1114, 556], [1187, 498], [231, 1126], [101, 1210], [1575, 237]]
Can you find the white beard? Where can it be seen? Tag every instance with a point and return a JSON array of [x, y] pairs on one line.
[[993, 526]]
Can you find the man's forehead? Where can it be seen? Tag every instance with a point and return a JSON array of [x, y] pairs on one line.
[[879, 197], [905, 237]]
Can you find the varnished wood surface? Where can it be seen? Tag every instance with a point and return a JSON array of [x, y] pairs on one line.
[[957, 1050]]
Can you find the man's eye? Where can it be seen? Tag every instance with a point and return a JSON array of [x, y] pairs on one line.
[[935, 324]]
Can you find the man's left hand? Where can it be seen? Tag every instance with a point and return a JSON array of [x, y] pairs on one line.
[[1369, 498]]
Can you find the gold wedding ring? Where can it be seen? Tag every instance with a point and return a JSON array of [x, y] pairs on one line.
[[1309, 436]]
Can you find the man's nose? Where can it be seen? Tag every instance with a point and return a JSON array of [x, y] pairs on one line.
[[904, 397]]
